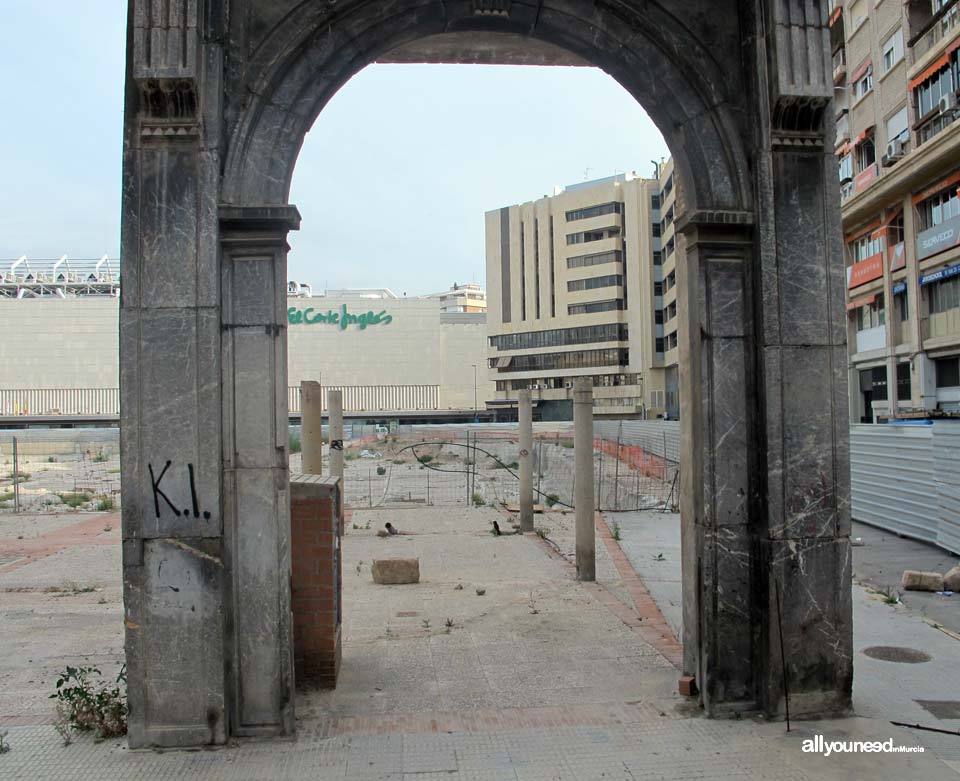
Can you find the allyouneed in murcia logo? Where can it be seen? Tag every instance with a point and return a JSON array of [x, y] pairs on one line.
[[819, 745]]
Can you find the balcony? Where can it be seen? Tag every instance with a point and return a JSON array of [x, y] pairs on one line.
[[843, 129], [872, 339], [942, 324], [839, 67], [865, 177], [932, 31]]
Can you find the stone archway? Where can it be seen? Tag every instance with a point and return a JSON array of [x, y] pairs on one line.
[[220, 94]]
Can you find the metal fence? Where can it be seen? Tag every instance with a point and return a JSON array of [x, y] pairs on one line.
[[60, 469], [904, 479], [479, 465]]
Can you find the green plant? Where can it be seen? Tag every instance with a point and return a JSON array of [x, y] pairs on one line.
[[616, 531], [398, 461], [552, 499], [568, 444], [74, 499], [295, 445], [51, 459], [449, 623], [513, 465], [350, 455], [478, 500], [381, 470], [19, 477], [86, 705], [542, 532], [105, 504], [4, 746], [425, 459], [6, 496], [426, 623], [101, 457]]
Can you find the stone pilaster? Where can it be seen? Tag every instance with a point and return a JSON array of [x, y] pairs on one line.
[[255, 475]]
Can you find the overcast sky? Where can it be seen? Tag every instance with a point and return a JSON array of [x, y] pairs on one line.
[[393, 179]]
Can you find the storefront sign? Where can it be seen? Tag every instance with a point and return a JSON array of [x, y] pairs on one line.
[[938, 238], [865, 271], [940, 275], [340, 317], [864, 178], [900, 287]]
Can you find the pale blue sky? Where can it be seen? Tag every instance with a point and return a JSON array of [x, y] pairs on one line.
[[393, 179]]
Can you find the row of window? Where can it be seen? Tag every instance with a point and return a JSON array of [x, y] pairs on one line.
[[594, 307], [587, 236], [597, 259], [874, 380], [943, 296], [668, 342], [578, 285], [615, 207], [561, 337], [554, 383], [580, 359]]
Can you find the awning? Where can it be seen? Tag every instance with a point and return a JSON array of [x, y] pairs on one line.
[[938, 64], [501, 361], [859, 72], [856, 303], [943, 184], [837, 13], [863, 136]]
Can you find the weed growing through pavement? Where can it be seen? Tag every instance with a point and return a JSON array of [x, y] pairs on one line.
[[552, 499], [4, 745], [478, 500], [616, 531], [88, 705], [533, 604]]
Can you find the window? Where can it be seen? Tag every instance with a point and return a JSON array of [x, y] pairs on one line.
[[660, 344], [657, 258], [864, 84], [871, 315], [897, 125], [858, 13], [615, 207], [846, 167], [927, 100], [577, 285], [903, 381], [658, 316], [585, 236], [866, 246], [667, 189], [671, 245], [658, 288], [893, 50], [594, 307], [656, 230], [902, 306], [948, 372], [561, 337], [611, 356], [866, 154], [878, 381], [597, 259], [655, 201], [939, 208], [944, 295]]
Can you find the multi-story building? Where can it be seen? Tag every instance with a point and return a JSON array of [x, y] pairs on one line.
[[665, 283], [898, 151], [462, 298], [575, 289]]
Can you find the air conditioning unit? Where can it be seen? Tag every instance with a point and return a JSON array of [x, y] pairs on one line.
[[894, 152], [568, 385], [948, 103], [846, 180]]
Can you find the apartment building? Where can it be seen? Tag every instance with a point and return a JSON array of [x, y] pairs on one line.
[[575, 287], [895, 68]]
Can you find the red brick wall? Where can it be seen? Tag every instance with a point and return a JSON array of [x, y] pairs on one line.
[[316, 588]]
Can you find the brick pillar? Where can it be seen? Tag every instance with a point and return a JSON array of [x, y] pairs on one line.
[[316, 533]]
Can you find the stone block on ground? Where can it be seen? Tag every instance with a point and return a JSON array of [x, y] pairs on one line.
[[913, 580], [395, 572], [951, 581]]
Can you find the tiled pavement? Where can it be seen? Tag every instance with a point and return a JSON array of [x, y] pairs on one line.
[[574, 691]]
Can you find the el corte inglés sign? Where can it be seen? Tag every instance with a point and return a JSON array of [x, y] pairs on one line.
[[338, 317]]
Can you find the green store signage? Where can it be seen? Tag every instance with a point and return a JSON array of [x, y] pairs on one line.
[[340, 317]]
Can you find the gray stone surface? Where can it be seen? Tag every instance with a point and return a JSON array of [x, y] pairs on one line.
[[219, 99]]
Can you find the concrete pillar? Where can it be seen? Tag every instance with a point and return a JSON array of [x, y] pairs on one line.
[[583, 488], [335, 404], [311, 427], [525, 409]]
